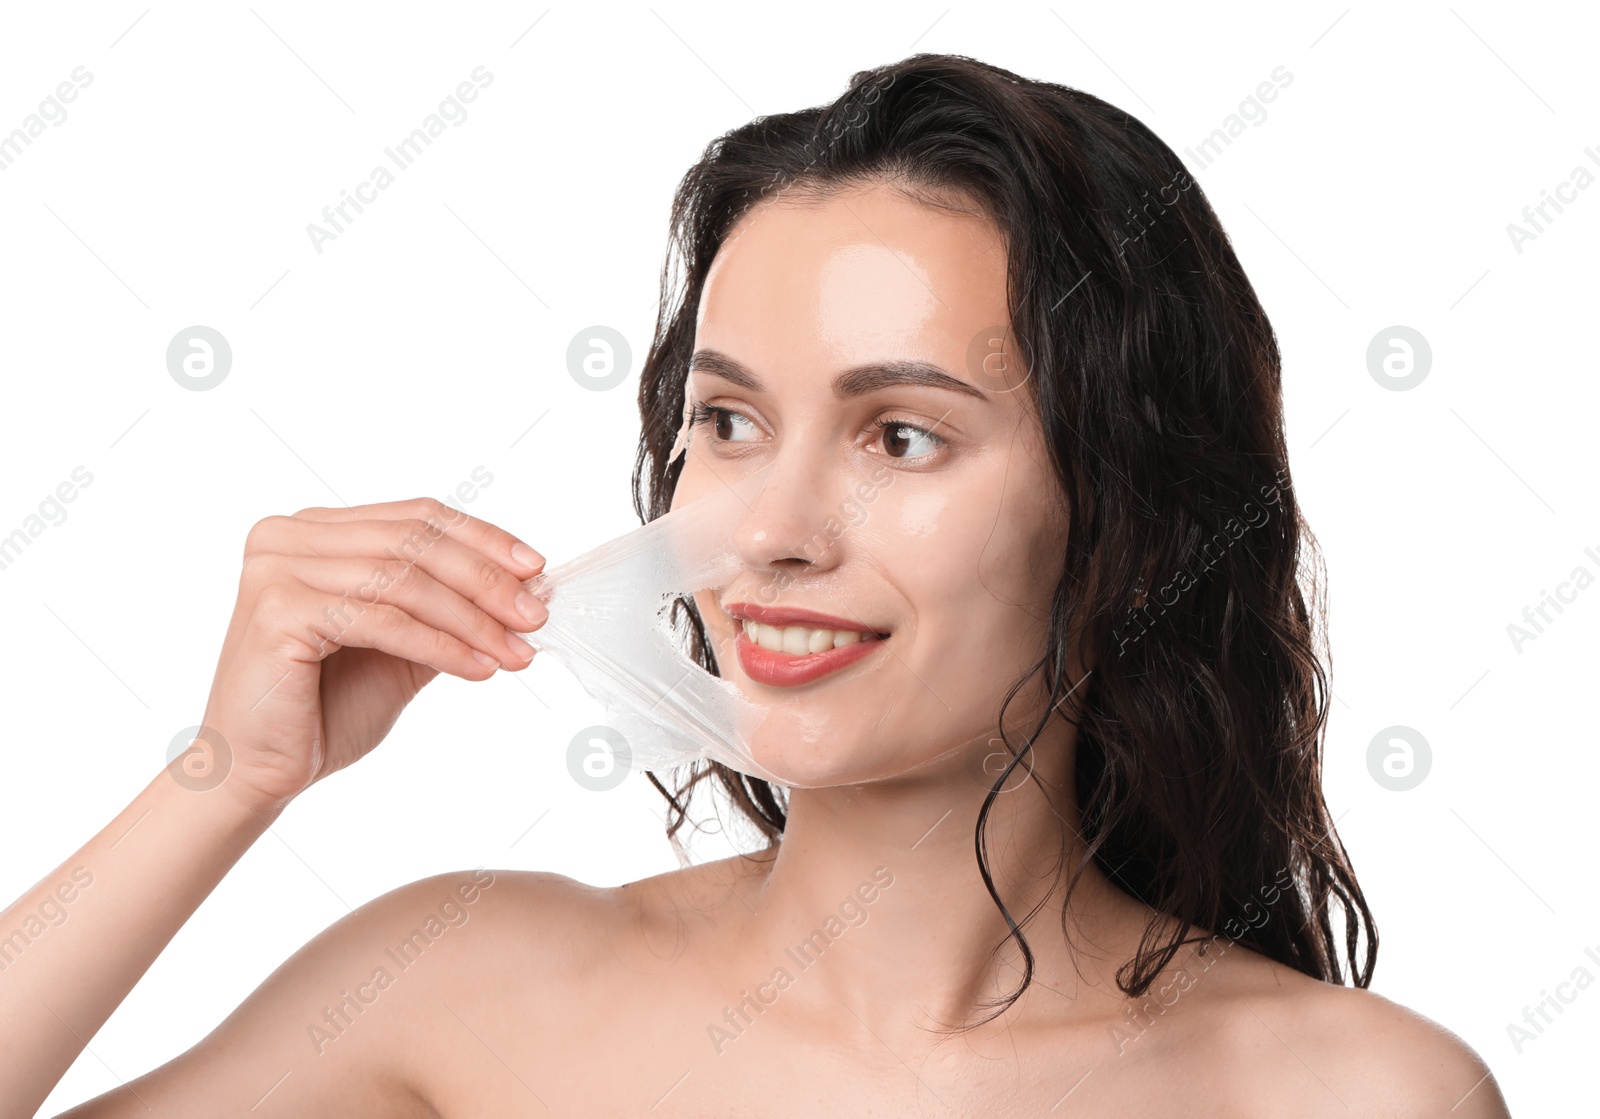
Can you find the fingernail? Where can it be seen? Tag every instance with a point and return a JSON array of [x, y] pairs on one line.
[[519, 648], [526, 556], [485, 659], [532, 610]]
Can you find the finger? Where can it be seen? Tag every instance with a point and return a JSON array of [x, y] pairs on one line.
[[389, 629], [301, 610], [490, 539], [386, 544], [359, 582]]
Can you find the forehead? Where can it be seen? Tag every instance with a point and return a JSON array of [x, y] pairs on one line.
[[862, 274]]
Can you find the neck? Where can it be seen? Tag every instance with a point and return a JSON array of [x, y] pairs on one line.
[[875, 898]]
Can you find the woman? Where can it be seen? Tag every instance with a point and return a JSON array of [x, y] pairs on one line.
[[1068, 626]]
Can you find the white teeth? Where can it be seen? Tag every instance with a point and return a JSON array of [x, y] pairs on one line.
[[798, 640]]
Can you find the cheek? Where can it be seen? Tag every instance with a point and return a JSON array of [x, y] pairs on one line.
[[977, 571], [718, 632], [690, 485]]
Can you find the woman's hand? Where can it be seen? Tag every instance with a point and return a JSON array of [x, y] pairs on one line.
[[343, 615]]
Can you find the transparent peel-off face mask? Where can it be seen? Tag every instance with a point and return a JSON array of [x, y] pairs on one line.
[[609, 625]]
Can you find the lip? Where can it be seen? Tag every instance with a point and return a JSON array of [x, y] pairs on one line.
[[785, 670], [789, 616]]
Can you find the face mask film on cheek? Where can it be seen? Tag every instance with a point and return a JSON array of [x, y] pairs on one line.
[[607, 627]]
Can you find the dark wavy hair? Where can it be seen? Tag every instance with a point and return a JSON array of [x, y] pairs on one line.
[[1156, 376]]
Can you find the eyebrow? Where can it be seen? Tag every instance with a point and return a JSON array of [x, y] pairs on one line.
[[858, 380]]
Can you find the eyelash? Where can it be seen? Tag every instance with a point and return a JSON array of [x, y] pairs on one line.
[[701, 413], [939, 441]]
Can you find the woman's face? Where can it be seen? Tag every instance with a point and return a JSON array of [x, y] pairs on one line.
[[846, 348]]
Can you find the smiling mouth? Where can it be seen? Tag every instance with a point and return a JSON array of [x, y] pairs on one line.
[[783, 647]]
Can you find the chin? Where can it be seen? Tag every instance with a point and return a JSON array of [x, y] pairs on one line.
[[813, 745], [805, 744], [818, 766]]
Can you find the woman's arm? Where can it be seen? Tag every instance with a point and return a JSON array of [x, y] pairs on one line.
[[74, 945], [343, 616], [357, 1022]]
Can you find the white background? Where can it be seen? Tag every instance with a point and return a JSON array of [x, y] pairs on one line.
[[430, 337]]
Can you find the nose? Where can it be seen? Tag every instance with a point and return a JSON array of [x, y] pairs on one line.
[[791, 525]]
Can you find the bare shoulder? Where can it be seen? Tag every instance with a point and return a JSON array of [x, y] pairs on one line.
[[406, 1006], [431, 950], [1413, 1065], [516, 911], [356, 1018], [500, 931], [557, 942], [536, 911], [1350, 1051]]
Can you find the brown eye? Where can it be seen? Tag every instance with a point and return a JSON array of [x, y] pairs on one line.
[[903, 440], [724, 422]]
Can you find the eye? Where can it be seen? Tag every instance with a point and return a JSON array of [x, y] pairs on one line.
[[906, 440], [723, 421]]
